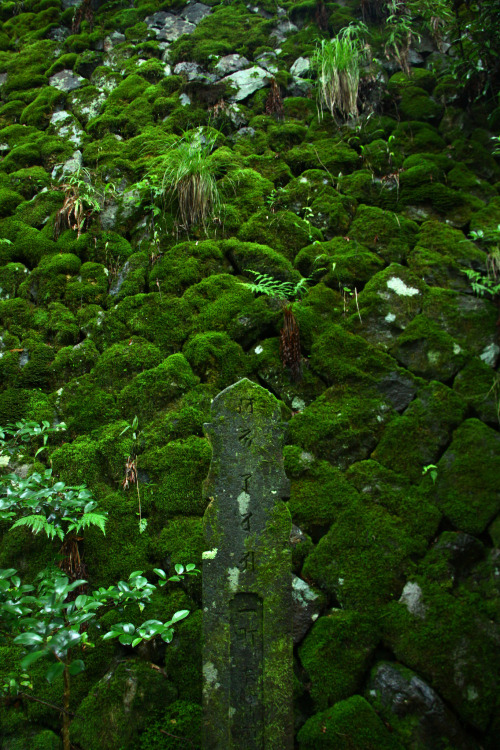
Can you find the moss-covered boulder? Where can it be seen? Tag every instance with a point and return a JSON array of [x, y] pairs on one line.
[[351, 724], [450, 644], [416, 438], [384, 232], [467, 479], [335, 654], [113, 714], [428, 351], [153, 389]]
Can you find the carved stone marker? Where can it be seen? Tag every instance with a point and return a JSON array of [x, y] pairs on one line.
[[247, 593]]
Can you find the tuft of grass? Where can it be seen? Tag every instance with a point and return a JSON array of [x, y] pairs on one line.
[[337, 63], [189, 174]]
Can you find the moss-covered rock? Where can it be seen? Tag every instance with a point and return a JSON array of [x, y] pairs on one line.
[[216, 359], [177, 471], [186, 264], [384, 232], [351, 724], [335, 655], [478, 386], [283, 231], [389, 301], [155, 388], [428, 351], [450, 644], [117, 706], [122, 362], [317, 497], [335, 157], [417, 437], [467, 480]]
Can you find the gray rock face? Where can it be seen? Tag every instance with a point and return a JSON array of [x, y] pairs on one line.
[[301, 67], [3, 78], [69, 167], [230, 64], [268, 61], [247, 82], [58, 34], [306, 608], [282, 30], [66, 80], [191, 71], [398, 389], [195, 13], [300, 87], [168, 27], [399, 694], [112, 40], [67, 126], [247, 592]]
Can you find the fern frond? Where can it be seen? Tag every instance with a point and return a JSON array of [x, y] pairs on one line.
[[37, 523]]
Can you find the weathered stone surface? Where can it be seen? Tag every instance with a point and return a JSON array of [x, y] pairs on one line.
[[282, 30], [300, 67], [168, 27], [467, 480], [66, 80], [306, 608], [193, 72], [247, 82], [195, 13], [112, 40], [230, 64], [67, 126], [247, 659], [414, 710], [69, 167]]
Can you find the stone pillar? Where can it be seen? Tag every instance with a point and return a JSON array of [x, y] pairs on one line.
[[247, 601]]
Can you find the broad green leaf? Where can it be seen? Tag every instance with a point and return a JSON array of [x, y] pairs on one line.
[[126, 640], [30, 658], [136, 642], [76, 667], [55, 670], [7, 572], [29, 639], [167, 635], [179, 569], [159, 572], [180, 615], [135, 574]]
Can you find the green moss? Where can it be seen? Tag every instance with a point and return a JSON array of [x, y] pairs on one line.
[[335, 655], [185, 264], [351, 724], [471, 321], [29, 181], [9, 199], [187, 720], [317, 497], [284, 231], [62, 327], [177, 471], [39, 112], [74, 361], [16, 315], [364, 537], [417, 438], [36, 212], [400, 82], [84, 406], [339, 429], [91, 286], [384, 232], [429, 641], [476, 384], [221, 303], [49, 279], [216, 359], [180, 541], [345, 263], [335, 157], [260, 258], [428, 351], [443, 239], [156, 387], [466, 484], [121, 362], [113, 714], [11, 276]]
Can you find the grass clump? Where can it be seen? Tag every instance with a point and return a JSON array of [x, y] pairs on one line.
[[337, 62]]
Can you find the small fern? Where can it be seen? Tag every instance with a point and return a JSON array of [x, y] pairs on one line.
[[283, 290]]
